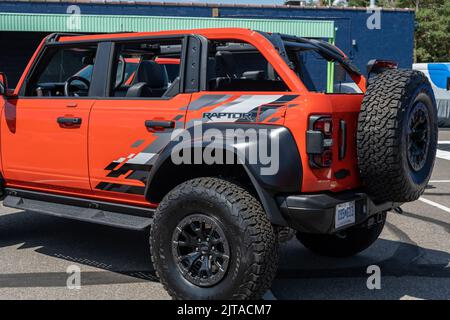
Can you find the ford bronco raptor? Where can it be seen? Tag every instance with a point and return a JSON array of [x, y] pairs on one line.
[[97, 125]]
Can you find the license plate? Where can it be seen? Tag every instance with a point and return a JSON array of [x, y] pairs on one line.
[[345, 214]]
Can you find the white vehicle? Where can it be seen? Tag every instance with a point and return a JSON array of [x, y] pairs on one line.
[[439, 76]]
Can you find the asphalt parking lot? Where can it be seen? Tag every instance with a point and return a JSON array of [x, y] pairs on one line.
[[413, 254]]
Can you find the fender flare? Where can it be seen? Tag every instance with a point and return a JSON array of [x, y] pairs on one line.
[[286, 179]]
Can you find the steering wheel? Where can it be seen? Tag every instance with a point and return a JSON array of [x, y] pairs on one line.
[[69, 81]]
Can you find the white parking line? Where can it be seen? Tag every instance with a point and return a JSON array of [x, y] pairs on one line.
[[443, 154], [439, 181], [435, 204]]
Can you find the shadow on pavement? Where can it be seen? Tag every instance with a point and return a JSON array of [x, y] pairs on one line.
[[407, 269]]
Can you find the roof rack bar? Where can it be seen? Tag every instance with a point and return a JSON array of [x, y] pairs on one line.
[[53, 37]]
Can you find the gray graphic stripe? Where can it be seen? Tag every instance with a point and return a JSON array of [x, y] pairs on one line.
[[137, 143], [208, 100], [266, 114], [141, 158], [286, 98], [245, 104]]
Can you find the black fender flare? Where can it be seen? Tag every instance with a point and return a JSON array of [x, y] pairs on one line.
[[285, 178]]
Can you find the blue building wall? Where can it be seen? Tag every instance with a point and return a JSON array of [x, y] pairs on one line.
[[395, 39]]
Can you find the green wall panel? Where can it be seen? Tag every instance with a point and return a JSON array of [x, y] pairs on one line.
[[117, 23]]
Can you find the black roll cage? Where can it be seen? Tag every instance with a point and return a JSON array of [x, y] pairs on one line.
[[329, 52]]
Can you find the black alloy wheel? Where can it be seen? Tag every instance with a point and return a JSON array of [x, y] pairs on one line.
[[201, 250]]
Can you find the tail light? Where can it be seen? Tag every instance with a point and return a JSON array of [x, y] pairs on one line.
[[377, 66], [323, 125], [319, 141]]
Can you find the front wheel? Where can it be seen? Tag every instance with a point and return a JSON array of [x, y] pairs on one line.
[[344, 244], [211, 239]]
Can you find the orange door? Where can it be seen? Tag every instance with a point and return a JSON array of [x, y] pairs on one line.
[[44, 143], [124, 137]]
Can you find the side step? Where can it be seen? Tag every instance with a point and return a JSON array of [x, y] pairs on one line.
[[109, 218]]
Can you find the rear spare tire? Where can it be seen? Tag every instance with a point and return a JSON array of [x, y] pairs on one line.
[[397, 135]]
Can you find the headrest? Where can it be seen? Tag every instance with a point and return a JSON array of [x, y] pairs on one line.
[[254, 75], [87, 60], [225, 64], [151, 73]]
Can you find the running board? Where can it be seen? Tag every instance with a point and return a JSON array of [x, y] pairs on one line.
[[109, 218]]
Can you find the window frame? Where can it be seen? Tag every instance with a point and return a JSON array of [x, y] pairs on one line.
[[257, 50], [39, 59], [101, 74], [197, 74]]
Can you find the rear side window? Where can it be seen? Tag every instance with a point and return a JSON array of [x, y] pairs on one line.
[[61, 65], [236, 66], [147, 69], [319, 75]]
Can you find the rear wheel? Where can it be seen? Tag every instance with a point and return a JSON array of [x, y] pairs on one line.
[[346, 243], [211, 239]]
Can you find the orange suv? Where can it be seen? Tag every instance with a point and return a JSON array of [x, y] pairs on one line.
[[219, 141]]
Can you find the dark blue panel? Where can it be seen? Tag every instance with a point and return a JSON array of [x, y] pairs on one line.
[[17, 49], [395, 39]]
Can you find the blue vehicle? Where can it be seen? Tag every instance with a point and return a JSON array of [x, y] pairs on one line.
[[439, 76]]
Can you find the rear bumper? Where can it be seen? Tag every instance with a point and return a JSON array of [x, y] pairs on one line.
[[315, 213]]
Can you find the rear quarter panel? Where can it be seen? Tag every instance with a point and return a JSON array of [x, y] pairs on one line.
[[340, 106], [3, 101]]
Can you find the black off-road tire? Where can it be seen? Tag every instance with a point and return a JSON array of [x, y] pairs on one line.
[[389, 109], [253, 246], [345, 244]]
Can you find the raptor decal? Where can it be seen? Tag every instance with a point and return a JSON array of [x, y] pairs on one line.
[[208, 108]]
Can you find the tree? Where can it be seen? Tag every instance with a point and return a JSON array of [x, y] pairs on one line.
[[358, 3], [432, 37]]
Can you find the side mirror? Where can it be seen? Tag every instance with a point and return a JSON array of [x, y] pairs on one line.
[[3, 84]]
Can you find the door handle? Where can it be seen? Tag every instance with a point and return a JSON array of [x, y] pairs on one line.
[[160, 124], [68, 121]]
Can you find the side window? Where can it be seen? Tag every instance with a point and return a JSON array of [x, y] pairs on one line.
[[311, 68], [148, 69], [63, 71], [236, 66]]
